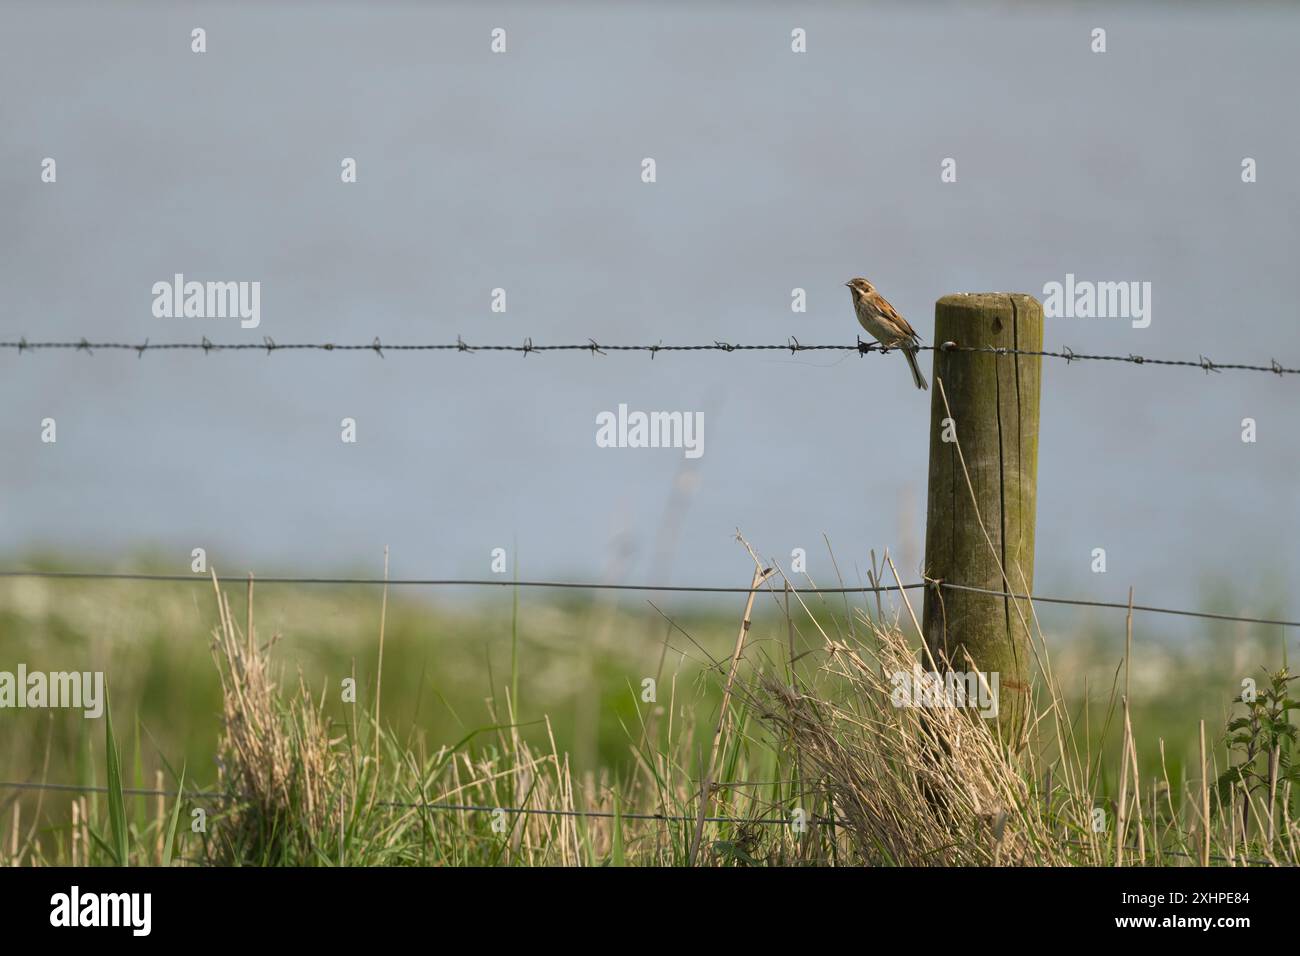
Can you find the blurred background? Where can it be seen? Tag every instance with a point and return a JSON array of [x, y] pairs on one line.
[[522, 171]]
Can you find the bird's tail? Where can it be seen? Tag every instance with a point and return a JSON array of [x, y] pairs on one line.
[[916, 369]]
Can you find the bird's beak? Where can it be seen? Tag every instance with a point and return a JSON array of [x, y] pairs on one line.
[[849, 284]]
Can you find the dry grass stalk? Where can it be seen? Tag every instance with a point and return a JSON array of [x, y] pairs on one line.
[[275, 759], [760, 575], [905, 780]]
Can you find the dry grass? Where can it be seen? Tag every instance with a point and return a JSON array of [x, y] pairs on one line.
[[939, 786], [274, 754], [810, 738], [877, 783]]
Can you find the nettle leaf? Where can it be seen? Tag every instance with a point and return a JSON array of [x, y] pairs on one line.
[[733, 851], [1279, 727], [1224, 790], [1232, 776]]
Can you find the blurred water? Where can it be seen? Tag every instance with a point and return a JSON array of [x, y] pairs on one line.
[[522, 171]]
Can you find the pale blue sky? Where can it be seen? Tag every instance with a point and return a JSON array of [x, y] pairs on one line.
[[521, 171]]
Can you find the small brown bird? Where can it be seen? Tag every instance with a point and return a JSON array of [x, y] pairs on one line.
[[886, 326]]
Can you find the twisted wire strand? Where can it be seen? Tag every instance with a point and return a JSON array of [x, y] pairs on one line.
[[593, 347], [676, 588]]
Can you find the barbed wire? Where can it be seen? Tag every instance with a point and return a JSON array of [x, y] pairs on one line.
[[602, 814], [682, 588], [214, 796], [522, 811], [792, 345], [91, 788]]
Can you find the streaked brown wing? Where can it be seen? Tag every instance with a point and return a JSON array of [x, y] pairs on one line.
[[890, 311]]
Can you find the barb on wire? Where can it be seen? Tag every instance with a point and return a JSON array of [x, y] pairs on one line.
[[676, 588], [793, 345]]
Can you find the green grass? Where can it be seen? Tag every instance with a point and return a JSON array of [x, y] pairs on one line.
[[575, 734]]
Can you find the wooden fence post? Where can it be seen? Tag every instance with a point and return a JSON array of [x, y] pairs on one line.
[[992, 401]]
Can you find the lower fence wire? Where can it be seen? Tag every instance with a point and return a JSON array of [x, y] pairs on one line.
[[536, 811], [214, 796], [673, 588]]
